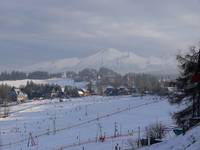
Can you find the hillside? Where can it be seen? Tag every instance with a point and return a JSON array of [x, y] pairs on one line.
[[190, 141]]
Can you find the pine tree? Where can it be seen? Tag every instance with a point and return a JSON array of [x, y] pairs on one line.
[[4, 98], [189, 86]]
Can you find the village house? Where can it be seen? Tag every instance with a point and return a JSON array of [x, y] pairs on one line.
[[122, 90], [21, 96], [83, 92], [110, 91]]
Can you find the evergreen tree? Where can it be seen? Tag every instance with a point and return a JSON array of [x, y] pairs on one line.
[[189, 89], [5, 98], [7, 94]]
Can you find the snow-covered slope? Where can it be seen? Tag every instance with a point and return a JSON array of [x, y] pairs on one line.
[[111, 58], [78, 120], [18, 83], [55, 66], [190, 141], [58, 81]]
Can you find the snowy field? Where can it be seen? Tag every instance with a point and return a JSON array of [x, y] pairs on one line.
[[58, 81], [75, 124]]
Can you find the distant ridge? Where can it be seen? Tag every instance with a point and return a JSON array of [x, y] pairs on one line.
[[119, 61]]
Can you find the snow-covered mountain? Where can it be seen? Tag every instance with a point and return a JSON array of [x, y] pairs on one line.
[[119, 61]]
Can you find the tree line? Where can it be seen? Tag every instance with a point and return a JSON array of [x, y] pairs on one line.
[[104, 77], [48, 91], [7, 94], [107, 77], [37, 91], [18, 75]]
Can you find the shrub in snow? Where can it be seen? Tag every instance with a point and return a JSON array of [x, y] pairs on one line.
[[156, 131]]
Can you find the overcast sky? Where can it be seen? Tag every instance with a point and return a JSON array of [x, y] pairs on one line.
[[40, 30]]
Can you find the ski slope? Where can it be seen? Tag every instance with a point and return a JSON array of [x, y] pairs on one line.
[[75, 123]]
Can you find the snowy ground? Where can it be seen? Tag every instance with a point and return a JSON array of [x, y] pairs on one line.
[[189, 141], [74, 124]]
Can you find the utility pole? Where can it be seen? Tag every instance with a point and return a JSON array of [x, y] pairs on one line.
[[86, 111], [148, 136], [79, 138], [97, 135], [120, 128], [139, 140], [54, 126], [16, 125], [100, 129], [122, 145], [116, 130]]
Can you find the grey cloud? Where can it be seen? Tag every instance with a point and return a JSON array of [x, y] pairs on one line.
[[38, 30]]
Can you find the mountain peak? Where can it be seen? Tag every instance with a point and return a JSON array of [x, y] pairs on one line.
[[110, 50], [111, 58]]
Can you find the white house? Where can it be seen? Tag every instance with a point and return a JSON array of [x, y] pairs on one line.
[[21, 97]]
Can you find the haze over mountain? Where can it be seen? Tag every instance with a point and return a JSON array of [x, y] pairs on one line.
[[119, 61]]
